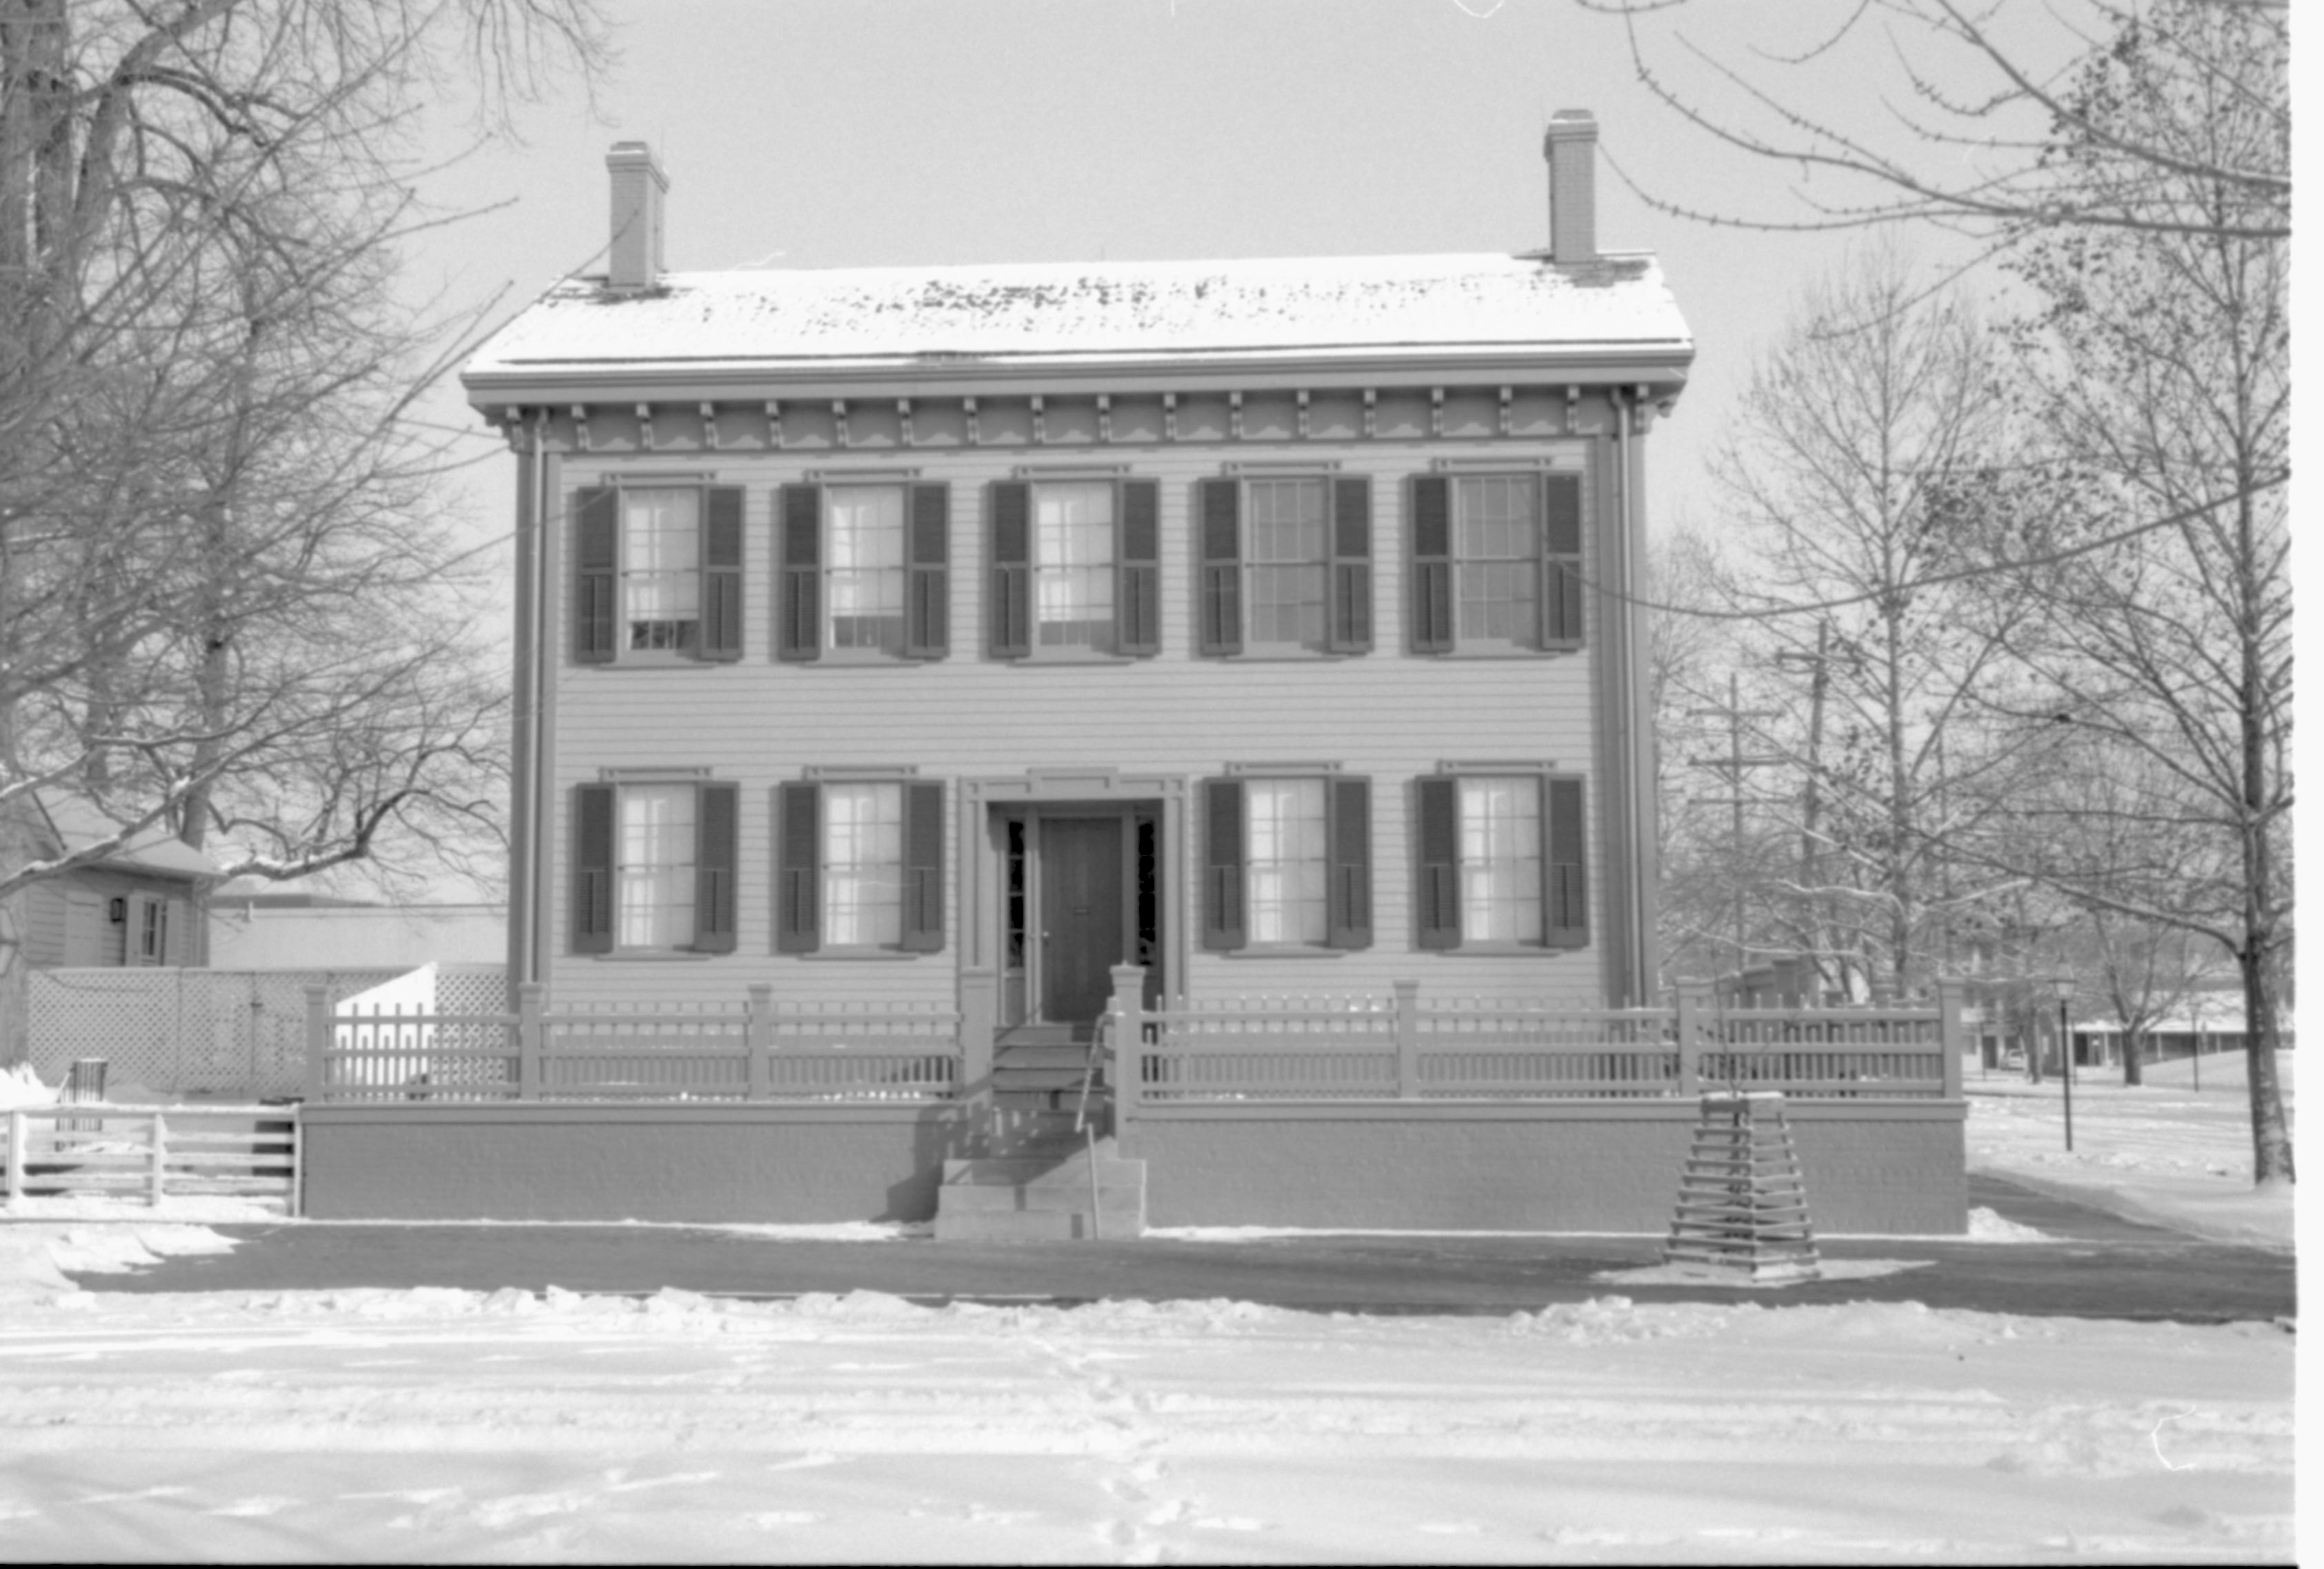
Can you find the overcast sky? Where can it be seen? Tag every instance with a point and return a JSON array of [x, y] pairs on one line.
[[896, 132]]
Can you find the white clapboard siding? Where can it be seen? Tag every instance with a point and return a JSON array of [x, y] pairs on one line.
[[1386, 714]]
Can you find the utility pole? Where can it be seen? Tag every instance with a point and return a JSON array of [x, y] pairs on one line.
[[1732, 766], [1812, 804]]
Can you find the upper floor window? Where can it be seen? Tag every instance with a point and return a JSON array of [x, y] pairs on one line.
[[658, 573], [1496, 562], [653, 866], [1076, 567], [1501, 861], [1286, 862], [866, 568], [1286, 566]]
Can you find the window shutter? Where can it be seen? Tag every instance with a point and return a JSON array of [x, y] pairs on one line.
[[1138, 568], [1565, 892], [799, 868], [1436, 914], [1561, 559], [596, 573], [1009, 611], [924, 864], [1222, 569], [716, 808], [1349, 613], [1223, 866], [927, 573], [798, 575], [592, 869], [722, 574], [1348, 833], [1432, 564]]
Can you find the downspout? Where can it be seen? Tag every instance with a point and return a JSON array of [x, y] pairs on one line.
[[524, 879], [1637, 775], [537, 722]]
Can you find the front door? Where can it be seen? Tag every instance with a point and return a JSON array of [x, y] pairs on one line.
[[1081, 916]]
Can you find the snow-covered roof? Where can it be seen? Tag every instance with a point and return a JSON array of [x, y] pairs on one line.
[[1096, 313], [79, 823]]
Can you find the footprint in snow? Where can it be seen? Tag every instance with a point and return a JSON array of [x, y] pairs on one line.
[[252, 1508], [529, 1506]]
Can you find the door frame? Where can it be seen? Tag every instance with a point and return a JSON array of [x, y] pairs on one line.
[[1128, 816], [986, 806]]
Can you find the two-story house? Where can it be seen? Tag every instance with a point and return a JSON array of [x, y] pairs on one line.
[[959, 632], [949, 637]]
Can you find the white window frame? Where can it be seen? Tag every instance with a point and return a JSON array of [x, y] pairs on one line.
[[1101, 615], [685, 644], [866, 890], [672, 928], [1523, 568], [1486, 866], [1319, 565], [894, 576], [1286, 890]]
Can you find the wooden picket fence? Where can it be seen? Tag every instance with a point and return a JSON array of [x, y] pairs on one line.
[[96, 1149], [1407, 1046], [760, 1051]]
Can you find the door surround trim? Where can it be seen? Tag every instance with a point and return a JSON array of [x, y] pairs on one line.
[[978, 862]]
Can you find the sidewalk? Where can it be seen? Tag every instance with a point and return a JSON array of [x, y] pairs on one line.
[[2096, 1266]]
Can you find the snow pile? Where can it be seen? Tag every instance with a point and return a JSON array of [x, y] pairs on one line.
[[2163, 1152], [505, 1426], [34, 1259], [21, 1086]]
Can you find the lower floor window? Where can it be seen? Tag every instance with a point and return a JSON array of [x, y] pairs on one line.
[[1500, 860], [653, 888], [864, 865], [1286, 869], [653, 866]]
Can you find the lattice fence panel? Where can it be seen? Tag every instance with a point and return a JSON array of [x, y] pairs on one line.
[[241, 1032]]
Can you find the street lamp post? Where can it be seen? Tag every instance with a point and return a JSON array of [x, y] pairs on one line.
[[2063, 986]]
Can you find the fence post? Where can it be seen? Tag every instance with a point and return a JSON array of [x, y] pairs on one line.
[[528, 1028], [1407, 1040], [1694, 1006], [18, 1124], [318, 1041], [1128, 1011], [158, 1159], [1952, 1035], [760, 1035]]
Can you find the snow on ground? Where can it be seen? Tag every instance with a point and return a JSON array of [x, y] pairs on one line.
[[2163, 1152], [454, 1426]]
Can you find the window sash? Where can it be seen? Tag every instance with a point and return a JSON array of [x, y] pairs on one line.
[[1287, 861], [863, 604], [1497, 553], [1287, 563], [654, 868], [864, 865], [661, 569], [1500, 860], [1073, 565]]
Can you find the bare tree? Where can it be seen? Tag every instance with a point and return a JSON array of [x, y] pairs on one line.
[[1971, 104], [229, 603], [1839, 476], [2161, 358], [215, 528]]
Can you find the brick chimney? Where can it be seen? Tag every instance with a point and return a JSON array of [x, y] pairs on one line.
[[1571, 149], [639, 185]]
